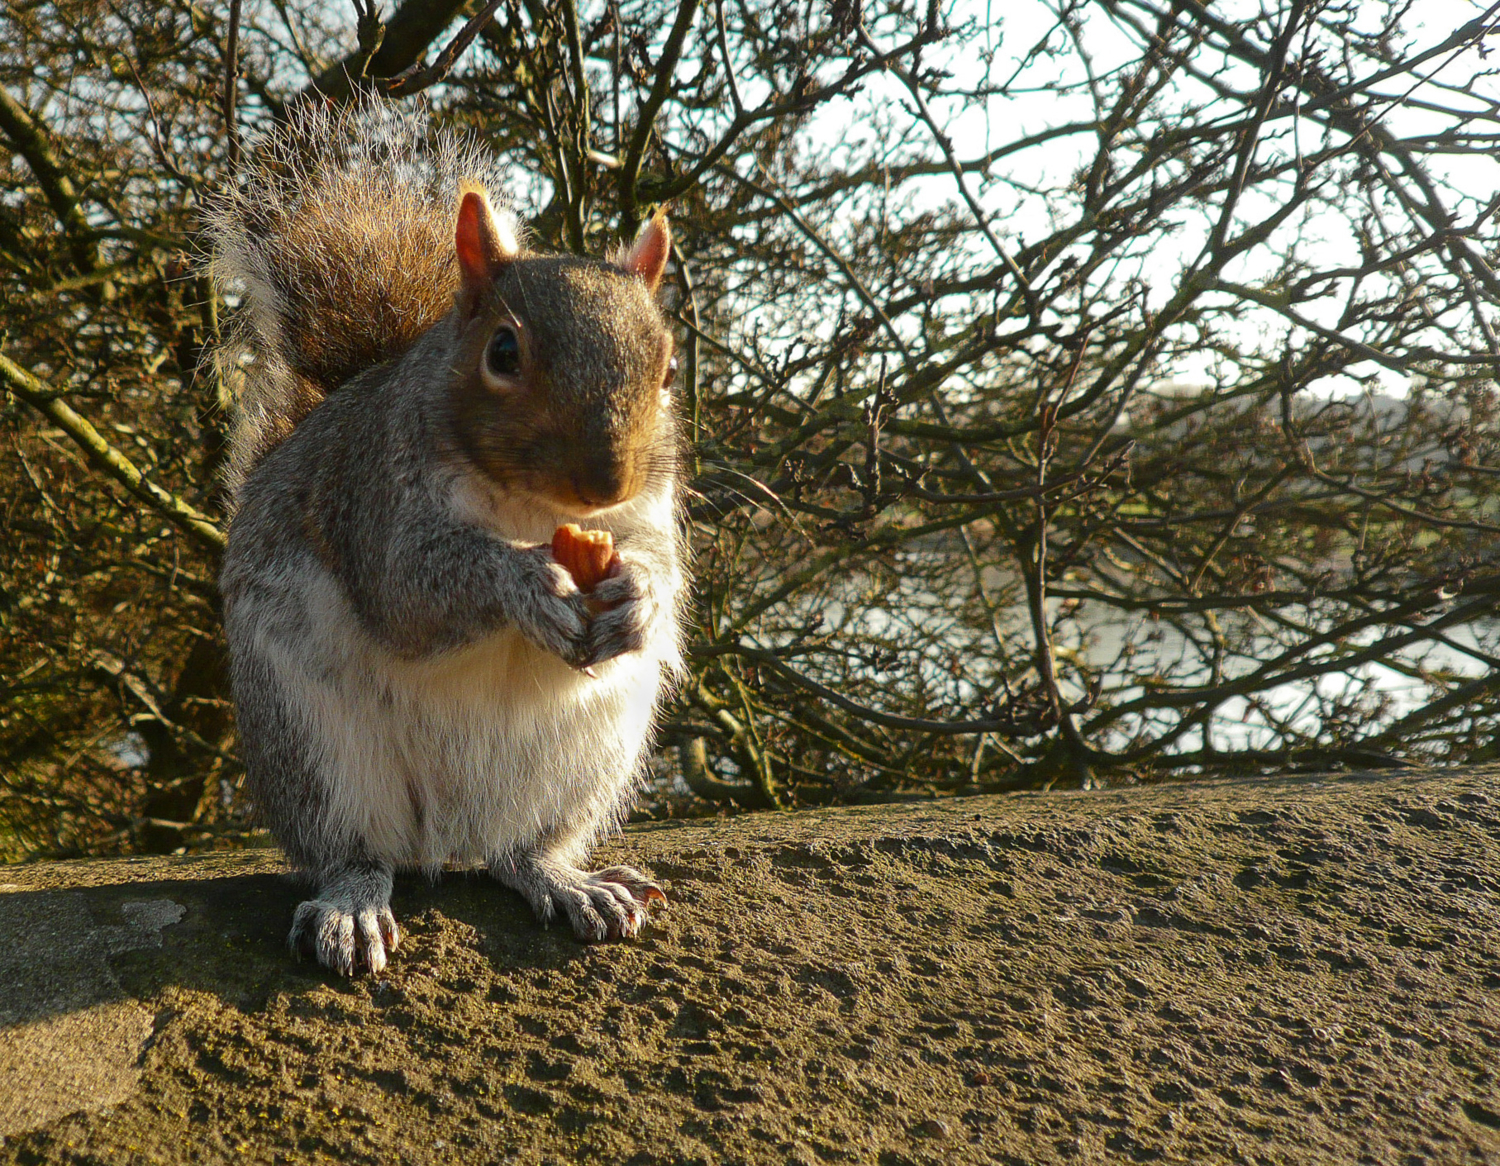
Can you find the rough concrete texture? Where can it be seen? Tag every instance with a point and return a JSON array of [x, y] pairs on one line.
[[1292, 971], [70, 1037]]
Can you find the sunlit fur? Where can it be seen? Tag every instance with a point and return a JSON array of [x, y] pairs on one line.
[[338, 246], [391, 608], [586, 410], [467, 753]]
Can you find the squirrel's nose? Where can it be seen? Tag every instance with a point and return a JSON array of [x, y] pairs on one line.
[[602, 483]]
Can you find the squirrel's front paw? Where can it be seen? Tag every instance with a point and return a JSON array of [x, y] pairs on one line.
[[628, 609], [556, 615]]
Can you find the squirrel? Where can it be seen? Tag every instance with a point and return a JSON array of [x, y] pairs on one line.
[[420, 401]]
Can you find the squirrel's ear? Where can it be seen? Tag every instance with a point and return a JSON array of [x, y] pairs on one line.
[[485, 242], [648, 255]]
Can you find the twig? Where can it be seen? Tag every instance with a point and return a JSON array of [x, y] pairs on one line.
[[33, 143], [232, 84], [418, 77], [48, 401], [666, 65]]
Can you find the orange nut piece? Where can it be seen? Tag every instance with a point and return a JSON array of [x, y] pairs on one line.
[[588, 555]]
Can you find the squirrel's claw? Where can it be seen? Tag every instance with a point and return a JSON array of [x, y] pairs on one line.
[[625, 623], [349, 926], [556, 618], [612, 904], [344, 941]]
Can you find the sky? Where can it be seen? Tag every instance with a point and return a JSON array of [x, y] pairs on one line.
[[1013, 28]]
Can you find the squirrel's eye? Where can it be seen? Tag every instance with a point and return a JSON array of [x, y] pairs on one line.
[[503, 357], [671, 373]]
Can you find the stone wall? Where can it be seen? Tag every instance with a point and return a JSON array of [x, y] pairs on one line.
[[1302, 970]]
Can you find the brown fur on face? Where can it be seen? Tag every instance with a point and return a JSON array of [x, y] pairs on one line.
[[586, 424]]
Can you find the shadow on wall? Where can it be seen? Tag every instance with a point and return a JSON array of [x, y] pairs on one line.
[[75, 963]]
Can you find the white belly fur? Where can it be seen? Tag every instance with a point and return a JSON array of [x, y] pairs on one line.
[[471, 753]]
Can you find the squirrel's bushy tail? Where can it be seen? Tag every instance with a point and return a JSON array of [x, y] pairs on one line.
[[338, 244]]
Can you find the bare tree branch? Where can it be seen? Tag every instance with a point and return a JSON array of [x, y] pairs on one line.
[[406, 36], [49, 402], [29, 138]]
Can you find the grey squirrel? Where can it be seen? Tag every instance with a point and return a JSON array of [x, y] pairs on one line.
[[420, 403]]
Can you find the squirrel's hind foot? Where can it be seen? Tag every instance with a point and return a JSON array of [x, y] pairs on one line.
[[349, 926], [609, 904]]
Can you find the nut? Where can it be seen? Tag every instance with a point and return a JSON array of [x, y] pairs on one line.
[[588, 555]]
